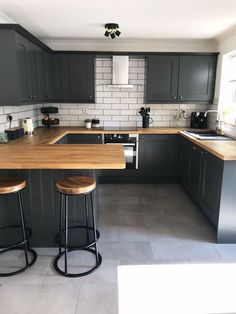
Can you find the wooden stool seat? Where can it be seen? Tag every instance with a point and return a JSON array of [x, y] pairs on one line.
[[11, 184], [76, 185]]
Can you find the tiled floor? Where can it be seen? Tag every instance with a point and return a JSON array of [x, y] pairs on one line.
[[139, 225]]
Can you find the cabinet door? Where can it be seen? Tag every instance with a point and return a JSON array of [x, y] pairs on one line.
[[196, 78], [22, 64], [84, 139], [162, 78], [32, 52], [41, 73], [81, 77], [60, 79], [158, 155], [184, 164], [211, 187], [195, 170]]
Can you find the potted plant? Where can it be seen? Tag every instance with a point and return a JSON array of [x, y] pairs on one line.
[[88, 123]]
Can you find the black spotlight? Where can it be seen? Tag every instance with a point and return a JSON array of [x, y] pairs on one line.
[[113, 35], [117, 32], [107, 33], [112, 30]]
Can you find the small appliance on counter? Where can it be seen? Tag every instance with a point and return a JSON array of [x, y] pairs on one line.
[[198, 120], [28, 126], [96, 123], [146, 120], [14, 133], [50, 120]]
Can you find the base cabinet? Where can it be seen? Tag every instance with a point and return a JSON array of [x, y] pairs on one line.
[[158, 155], [81, 139]]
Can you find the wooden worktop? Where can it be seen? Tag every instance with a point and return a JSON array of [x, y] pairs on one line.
[[36, 152], [225, 150], [81, 156]]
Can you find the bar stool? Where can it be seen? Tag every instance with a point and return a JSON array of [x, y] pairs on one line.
[[75, 186], [10, 185]]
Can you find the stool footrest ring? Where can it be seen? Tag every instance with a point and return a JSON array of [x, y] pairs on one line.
[[63, 273], [59, 237]]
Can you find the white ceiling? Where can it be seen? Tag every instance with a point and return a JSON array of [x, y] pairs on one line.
[[186, 19]]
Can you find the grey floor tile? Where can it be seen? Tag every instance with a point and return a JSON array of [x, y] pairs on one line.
[[227, 252], [196, 233], [33, 276], [121, 220], [184, 250], [38, 299], [119, 200], [98, 298], [109, 233], [139, 233], [124, 250], [119, 209], [153, 261]]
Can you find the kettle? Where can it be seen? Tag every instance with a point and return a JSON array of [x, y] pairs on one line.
[[28, 126]]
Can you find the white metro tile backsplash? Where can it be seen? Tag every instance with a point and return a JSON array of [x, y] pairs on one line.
[[19, 113]]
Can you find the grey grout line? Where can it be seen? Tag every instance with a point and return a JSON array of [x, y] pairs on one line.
[[77, 299]]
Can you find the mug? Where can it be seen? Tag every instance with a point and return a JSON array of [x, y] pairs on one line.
[[146, 121]]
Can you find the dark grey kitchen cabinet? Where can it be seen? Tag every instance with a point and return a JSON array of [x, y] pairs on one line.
[[60, 77], [32, 54], [44, 76], [201, 175], [197, 78], [81, 78], [181, 78], [211, 185], [73, 78], [81, 139], [184, 161], [158, 155], [162, 78], [195, 170]]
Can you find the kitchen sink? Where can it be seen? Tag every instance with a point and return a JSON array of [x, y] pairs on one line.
[[208, 135]]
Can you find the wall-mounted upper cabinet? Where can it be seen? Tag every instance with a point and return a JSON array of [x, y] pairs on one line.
[[31, 73], [23, 75], [180, 78], [73, 77]]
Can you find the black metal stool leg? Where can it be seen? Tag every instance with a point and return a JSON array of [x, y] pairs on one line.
[[66, 231], [60, 220], [94, 227], [86, 216], [23, 227]]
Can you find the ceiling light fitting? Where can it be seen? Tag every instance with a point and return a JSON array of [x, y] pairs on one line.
[[112, 30]]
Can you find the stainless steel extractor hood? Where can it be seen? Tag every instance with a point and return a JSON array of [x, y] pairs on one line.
[[120, 72]]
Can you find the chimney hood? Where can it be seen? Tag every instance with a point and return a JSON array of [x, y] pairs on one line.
[[120, 72]]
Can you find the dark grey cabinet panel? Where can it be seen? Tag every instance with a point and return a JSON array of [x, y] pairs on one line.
[[197, 78], [81, 77], [60, 77], [158, 155], [81, 139], [22, 64], [43, 76], [195, 170], [84, 139], [32, 54], [184, 161], [211, 186], [162, 78], [180, 78], [72, 78]]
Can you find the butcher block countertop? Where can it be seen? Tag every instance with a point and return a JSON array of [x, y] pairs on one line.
[[37, 151]]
